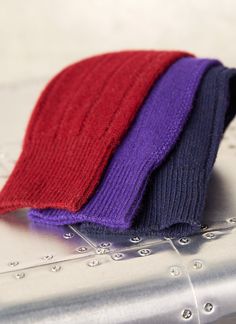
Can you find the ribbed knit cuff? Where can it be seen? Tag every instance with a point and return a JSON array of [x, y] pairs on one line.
[[114, 206], [50, 174], [177, 191], [180, 194], [111, 206]]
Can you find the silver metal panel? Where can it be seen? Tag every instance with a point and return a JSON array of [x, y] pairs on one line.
[[58, 275]]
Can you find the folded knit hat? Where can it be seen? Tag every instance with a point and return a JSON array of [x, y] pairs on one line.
[[155, 131], [174, 201], [77, 123]]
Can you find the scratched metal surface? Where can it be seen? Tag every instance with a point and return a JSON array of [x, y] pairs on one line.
[[58, 275]]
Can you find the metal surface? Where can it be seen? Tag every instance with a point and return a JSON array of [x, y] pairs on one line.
[[58, 275]]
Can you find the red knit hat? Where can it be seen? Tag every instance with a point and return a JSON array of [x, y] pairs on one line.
[[77, 123]]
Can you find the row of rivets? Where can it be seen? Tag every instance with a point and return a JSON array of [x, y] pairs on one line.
[[197, 264], [95, 262], [186, 240], [176, 271], [54, 268], [187, 313], [44, 258], [119, 255], [231, 220]]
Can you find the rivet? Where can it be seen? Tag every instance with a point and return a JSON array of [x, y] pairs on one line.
[[68, 235], [204, 227], [118, 256], [81, 249], [93, 263], [20, 275], [135, 239], [184, 240], [208, 307], [105, 244], [13, 263], [197, 264], [187, 314], [55, 268], [232, 220], [175, 271], [47, 257], [102, 250], [209, 235], [144, 252]]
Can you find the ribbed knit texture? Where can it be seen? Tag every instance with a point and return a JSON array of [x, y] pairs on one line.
[[155, 131], [174, 201], [77, 123]]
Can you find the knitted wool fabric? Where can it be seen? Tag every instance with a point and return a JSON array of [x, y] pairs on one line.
[[77, 123], [152, 136], [175, 198]]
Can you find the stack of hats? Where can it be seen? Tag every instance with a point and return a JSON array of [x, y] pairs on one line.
[[124, 143]]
